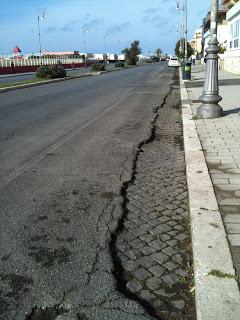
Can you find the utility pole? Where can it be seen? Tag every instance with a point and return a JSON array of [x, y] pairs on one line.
[[210, 97]]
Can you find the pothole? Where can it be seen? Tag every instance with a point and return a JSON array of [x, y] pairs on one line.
[[48, 313]]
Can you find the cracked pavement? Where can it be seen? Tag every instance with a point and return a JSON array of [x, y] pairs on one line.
[[61, 212], [154, 246]]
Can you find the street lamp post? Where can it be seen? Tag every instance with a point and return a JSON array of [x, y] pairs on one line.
[[84, 44], [40, 17], [210, 97], [186, 27], [106, 46]]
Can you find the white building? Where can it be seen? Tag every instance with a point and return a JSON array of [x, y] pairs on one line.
[[196, 41], [232, 55]]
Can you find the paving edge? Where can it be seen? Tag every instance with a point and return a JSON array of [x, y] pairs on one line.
[[216, 297]]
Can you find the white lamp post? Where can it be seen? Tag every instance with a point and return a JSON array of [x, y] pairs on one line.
[[84, 45], [41, 16]]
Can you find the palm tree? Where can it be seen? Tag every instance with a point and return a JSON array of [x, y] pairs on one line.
[[158, 53]]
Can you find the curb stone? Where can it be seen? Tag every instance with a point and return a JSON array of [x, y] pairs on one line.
[[217, 297], [35, 84]]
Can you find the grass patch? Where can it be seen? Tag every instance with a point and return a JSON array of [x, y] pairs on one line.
[[195, 118], [13, 84]]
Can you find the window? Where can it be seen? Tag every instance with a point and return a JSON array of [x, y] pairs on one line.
[[234, 35]]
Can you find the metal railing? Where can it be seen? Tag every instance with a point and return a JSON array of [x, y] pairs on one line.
[[23, 62]]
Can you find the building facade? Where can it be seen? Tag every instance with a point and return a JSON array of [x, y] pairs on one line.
[[196, 41], [232, 55]]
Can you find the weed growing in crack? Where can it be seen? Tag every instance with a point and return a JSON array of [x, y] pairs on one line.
[[220, 274], [195, 117]]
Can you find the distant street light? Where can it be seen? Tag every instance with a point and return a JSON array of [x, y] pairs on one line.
[[40, 17], [210, 97], [184, 27], [84, 45], [105, 45]]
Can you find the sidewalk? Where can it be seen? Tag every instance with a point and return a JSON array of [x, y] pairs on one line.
[[220, 143]]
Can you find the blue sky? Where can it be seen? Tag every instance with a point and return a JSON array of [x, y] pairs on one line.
[[152, 22]]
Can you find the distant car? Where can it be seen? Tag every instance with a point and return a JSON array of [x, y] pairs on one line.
[[173, 62], [163, 59]]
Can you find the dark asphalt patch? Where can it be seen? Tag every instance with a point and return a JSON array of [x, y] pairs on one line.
[[49, 313]]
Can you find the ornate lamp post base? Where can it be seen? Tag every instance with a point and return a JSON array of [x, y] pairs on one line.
[[210, 97], [209, 111]]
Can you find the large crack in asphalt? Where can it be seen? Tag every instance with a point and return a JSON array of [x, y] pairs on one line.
[[53, 312], [118, 270]]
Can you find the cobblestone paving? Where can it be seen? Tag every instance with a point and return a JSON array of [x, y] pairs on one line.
[[155, 247]]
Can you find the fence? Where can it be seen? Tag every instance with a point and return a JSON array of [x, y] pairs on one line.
[[23, 62]]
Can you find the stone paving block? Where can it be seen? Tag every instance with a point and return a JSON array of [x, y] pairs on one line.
[[165, 293], [147, 238], [181, 236], [234, 181], [153, 283], [130, 265], [170, 266], [182, 273], [162, 228], [177, 258], [134, 285], [170, 251], [233, 227], [133, 254], [141, 274], [137, 231], [158, 244], [234, 239], [178, 304], [170, 279], [147, 295], [160, 257], [146, 261], [230, 202], [229, 187], [137, 243], [228, 166], [148, 250], [164, 237], [157, 270]]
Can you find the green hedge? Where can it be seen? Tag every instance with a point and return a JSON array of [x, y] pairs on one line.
[[120, 64], [98, 67], [51, 72]]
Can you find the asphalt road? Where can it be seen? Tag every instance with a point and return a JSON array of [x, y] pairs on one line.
[[66, 151], [29, 76]]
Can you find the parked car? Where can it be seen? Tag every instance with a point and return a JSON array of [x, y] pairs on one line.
[[173, 62]]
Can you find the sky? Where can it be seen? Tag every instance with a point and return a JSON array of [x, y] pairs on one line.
[[112, 25]]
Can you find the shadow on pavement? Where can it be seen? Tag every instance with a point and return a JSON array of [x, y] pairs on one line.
[[231, 111], [224, 82]]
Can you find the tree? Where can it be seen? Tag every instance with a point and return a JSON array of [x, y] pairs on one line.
[[180, 52], [132, 53], [158, 53]]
